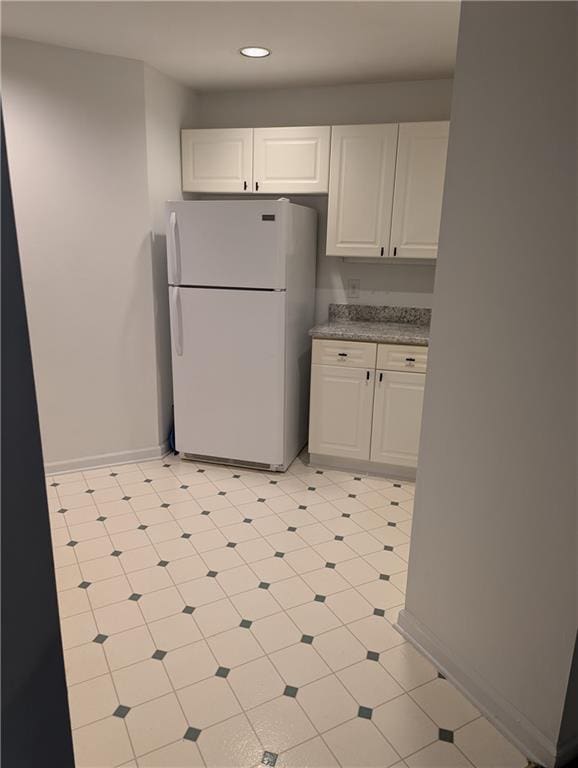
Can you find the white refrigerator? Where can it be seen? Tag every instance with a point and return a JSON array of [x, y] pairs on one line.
[[241, 291]]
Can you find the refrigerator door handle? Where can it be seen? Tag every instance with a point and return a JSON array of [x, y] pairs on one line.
[[174, 250], [177, 320]]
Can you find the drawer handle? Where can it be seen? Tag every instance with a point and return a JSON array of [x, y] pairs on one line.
[[342, 354], [380, 377], [367, 375], [410, 359]]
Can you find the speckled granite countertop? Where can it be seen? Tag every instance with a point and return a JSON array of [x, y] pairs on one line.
[[388, 325]]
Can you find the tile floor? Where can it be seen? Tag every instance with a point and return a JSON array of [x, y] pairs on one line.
[[215, 617]]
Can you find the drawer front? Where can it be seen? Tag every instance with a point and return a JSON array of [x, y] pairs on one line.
[[395, 357], [350, 354]]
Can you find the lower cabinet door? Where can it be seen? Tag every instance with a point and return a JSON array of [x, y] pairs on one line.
[[340, 411], [397, 417]]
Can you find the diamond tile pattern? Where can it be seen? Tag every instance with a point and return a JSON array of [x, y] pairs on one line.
[[265, 643]]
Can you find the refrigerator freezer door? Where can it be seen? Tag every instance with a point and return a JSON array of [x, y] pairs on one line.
[[228, 352], [234, 244]]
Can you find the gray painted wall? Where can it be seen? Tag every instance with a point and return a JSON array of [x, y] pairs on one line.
[[93, 147], [405, 285], [492, 575]]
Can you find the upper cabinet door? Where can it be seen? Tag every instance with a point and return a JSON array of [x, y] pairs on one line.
[[361, 178], [291, 160], [419, 183], [217, 160]]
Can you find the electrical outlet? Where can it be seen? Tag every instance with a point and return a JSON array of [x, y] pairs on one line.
[[352, 291]]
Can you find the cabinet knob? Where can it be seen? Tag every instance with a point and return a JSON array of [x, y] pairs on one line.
[[342, 354]]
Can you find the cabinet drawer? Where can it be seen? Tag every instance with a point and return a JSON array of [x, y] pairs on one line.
[[350, 354], [394, 357]]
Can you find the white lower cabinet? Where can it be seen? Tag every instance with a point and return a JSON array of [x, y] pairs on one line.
[[340, 411], [397, 412], [357, 412]]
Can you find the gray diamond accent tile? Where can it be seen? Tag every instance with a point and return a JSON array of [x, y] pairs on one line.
[[345, 514], [365, 712], [395, 503], [54, 485], [445, 735], [185, 536], [247, 520], [90, 490], [279, 554], [121, 711], [212, 574], [292, 529], [84, 584], [113, 474], [378, 612], [272, 482], [205, 512], [387, 548], [231, 544], [184, 487], [222, 672], [261, 500], [126, 498], [338, 538], [236, 477], [291, 691], [163, 563], [397, 485], [148, 480], [392, 525], [62, 510], [352, 495], [188, 609], [373, 656], [311, 488], [264, 585], [100, 639], [135, 597], [192, 734], [319, 598], [164, 505], [330, 565], [200, 471], [318, 471], [384, 576], [142, 527], [101, 519], [245, 623], [222, 493], [269, 759], [307, 639], [116, 553], [302, 506], [159, 655], [72, 543]]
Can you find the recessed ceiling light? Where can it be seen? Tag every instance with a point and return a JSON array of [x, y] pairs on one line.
[[255, 52]]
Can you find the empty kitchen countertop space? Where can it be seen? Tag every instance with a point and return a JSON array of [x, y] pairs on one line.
[[388, 325]]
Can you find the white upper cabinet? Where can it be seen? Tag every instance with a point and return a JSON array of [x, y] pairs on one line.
[[217, 160], [361, 182], [419, 182], [291, 160]]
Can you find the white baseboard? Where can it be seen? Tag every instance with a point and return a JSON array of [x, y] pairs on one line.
[[533, 744], [390, 471], [104, 459]]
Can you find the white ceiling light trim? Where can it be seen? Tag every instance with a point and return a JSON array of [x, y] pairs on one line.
[[254, 52]]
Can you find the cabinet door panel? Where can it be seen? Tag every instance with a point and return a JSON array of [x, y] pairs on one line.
[[397, 417], [340, 411], [419, 183], [361, 178], [217, 159], [291, 159]]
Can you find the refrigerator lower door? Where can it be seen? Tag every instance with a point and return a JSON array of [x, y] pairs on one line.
[[228, 352]]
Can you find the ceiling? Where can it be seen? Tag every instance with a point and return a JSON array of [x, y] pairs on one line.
[[197, 43]]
